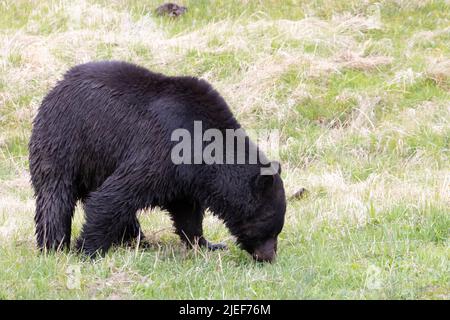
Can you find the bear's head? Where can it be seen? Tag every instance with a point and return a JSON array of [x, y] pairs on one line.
[[258, 232]]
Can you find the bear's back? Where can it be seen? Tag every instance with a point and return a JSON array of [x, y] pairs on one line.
[[133, 86], [108, 110], [118, 76]]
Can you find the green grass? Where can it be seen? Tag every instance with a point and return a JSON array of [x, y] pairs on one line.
[[408, 249], [368, 140]]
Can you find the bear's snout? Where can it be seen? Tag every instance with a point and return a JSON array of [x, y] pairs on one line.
[[266, 252]]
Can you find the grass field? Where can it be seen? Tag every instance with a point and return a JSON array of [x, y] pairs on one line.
[[360, 93]]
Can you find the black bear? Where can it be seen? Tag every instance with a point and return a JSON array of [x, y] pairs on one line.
[[103, 136]]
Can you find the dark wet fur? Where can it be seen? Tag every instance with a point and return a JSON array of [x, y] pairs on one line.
[[102, 137]]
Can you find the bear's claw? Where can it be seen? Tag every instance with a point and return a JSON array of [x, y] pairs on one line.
[[216, 246]]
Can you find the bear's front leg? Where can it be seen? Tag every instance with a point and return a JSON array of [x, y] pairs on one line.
[[187, 217]]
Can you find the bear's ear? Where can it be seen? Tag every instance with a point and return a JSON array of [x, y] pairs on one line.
[[276, 166], [264, 182]]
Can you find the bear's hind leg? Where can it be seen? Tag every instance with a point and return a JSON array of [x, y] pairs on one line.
[[133, 234], [110, 215], [187, 217], [55, 204]]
